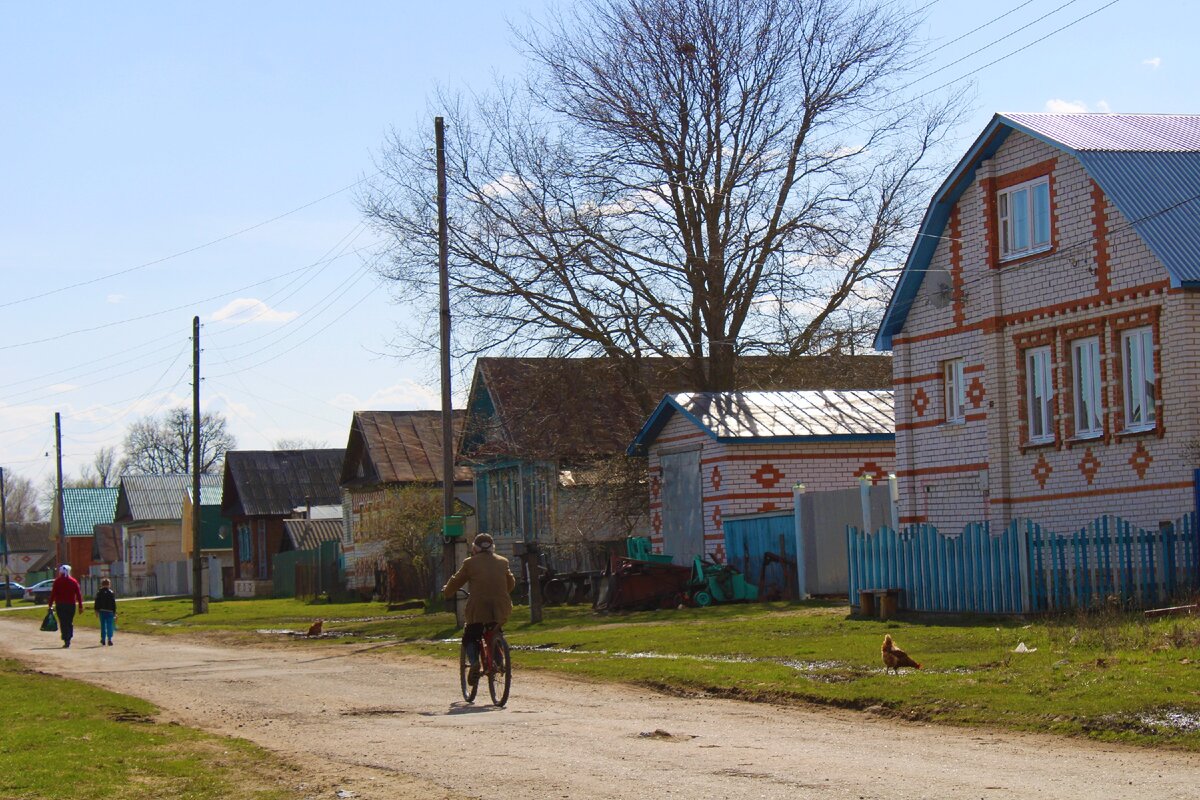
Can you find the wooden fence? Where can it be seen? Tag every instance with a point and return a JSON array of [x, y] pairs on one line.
[[1025, 568]]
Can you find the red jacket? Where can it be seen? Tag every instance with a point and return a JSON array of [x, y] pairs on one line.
[[66, 590]]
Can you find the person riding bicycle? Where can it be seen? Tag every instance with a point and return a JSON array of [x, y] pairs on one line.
[[490, 602]]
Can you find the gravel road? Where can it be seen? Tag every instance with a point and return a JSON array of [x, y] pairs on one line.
[[361, 719]]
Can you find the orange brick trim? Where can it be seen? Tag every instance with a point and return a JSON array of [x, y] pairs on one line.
[[934, 423], [969, 368], [1042, 169], [913, 520], [1038, 498], [777, 495], [956, 267], [946, 470], [991, 224], [1100, 226], [931, 376], [992, 324], [796, 456], [1021, 343]]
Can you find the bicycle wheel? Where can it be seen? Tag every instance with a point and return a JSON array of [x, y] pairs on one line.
[[500, 675], [464, 665]]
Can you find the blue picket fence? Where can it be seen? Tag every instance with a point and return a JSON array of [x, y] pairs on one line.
[[1024, 567]]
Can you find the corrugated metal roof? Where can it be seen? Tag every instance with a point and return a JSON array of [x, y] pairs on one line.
[[777, 416], [308, 534], [1158, 133], [273, 482], [83, 509], [1147, 164], [399, 447], [210, 495], [158, 497]]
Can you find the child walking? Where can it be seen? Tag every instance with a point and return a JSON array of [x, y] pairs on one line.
[[105, 606]]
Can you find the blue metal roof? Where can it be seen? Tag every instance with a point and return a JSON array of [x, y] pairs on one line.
[[1147, 164], [802, 416]]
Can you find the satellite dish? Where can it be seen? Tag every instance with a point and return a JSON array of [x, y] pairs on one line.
[[942, 292]]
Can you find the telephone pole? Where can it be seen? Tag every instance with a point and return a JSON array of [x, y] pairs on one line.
[[61, 528], [199, 595], [448, 560]]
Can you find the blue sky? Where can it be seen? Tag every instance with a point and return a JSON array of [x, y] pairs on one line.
[[204, 152]]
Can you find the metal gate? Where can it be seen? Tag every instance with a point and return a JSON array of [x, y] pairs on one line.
[[682, 509]]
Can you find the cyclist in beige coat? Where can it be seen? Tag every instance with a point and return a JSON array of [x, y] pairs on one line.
[[490, 602]]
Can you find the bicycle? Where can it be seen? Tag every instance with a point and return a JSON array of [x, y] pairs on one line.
[[495, 663]]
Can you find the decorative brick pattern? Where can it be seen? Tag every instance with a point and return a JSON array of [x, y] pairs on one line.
[[716, 517], [656, 523], [1089, 465], [715, 478], [1141, 460], [767, 507], [655, 487], [875, 472], [767, 476], [920, 401], [976, 392], [1041, 470]]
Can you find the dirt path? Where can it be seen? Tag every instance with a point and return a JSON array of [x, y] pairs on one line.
[[385, 727]]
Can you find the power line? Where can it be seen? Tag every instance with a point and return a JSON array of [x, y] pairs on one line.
[[180, 253]]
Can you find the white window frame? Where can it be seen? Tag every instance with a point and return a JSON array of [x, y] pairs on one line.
[[137, 549], [955, 390], [1039, 394], [1138, 378], [1089, 408], [1011, 226]]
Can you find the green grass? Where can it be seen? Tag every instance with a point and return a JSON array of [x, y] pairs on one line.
[[65, 740], [1111, 676]]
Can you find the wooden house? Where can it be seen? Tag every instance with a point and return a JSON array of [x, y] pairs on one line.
[[82, 510], [386, 451], [262, 488]]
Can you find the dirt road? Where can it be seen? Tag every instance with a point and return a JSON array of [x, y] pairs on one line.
[[387, 727]]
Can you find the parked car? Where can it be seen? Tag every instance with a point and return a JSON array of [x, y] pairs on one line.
[[11, 591], [40, 592]]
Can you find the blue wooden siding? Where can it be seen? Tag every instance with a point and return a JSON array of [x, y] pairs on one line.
[[1026, 568], [746, 540]]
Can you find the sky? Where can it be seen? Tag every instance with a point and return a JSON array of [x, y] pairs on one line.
[[167, 160]]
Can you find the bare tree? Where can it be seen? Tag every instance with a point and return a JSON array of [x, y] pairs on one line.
[[102, 472], [407, 519], [20, 499], [300, 444], [690, 178], [162, 446]]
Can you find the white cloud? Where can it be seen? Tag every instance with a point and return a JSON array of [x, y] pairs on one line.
[[1103, 107], [248, 309], [1153, 63], [404, 396], [115, 298], [1057, 106]]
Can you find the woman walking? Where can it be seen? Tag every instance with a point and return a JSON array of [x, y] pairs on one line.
[[65, 597]]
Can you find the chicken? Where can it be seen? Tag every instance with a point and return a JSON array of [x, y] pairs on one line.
[[315, 628], [894, 658]]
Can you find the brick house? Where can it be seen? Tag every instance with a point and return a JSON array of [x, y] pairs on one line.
[[1044, 329], [714, 455]]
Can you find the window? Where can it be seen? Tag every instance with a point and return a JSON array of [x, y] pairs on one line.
[[1085, 356], [1024, 218], [137, 549], [1039, 388], [244, 552], [1137, 357], [956, 393]]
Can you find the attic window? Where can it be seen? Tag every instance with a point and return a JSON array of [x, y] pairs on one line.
[[1024, 212]]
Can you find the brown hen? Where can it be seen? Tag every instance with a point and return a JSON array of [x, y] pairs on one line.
[[894, 658]]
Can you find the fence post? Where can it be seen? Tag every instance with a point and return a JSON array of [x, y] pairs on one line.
[[864, 494], [798, 524], [894, 501]]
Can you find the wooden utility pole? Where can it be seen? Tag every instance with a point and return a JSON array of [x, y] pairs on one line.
[[199, 595], [448, 565], [4, 534], [61, 529]]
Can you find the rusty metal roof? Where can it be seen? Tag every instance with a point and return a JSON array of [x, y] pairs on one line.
[[398, 447], [776, 416], [308, 534], [581, 408], [158, 497], [273, 482]]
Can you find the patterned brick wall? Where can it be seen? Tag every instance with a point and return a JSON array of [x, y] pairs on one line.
[[740, 479], [1097, 279]]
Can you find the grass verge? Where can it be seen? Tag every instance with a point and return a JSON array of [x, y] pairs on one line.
[[65, 740]]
